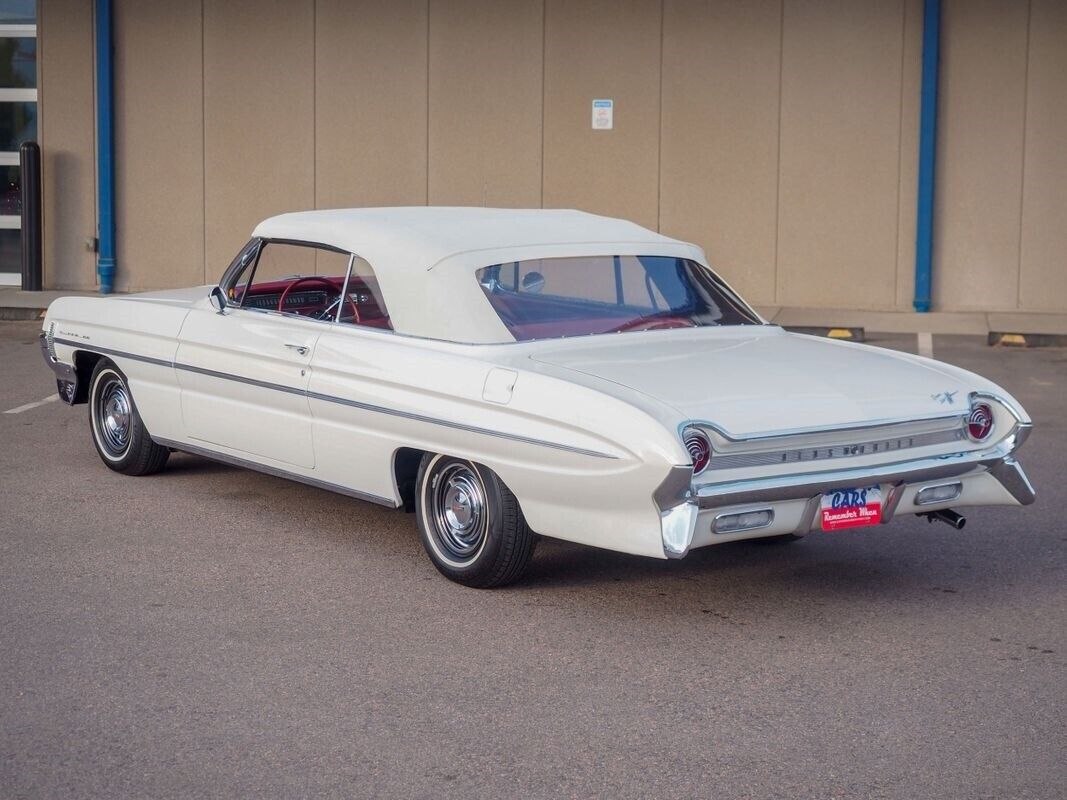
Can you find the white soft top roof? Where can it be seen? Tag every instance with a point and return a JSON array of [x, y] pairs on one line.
[[424, 256]]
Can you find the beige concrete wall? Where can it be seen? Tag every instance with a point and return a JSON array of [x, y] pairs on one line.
[[840, 153], [907, 192], [603, 49], [719, 151], [980, 154], [67, 133], [259, 118], [780, 135], [485, 102], [159, 177], [1043, 251], [370, 103], [1002, 209]]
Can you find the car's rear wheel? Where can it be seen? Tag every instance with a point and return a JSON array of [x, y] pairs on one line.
[[470, 523], [118, 432]]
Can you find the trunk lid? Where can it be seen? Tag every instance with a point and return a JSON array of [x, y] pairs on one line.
[[758, 380]]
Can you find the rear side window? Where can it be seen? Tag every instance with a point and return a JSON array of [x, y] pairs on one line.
[[364, 304], [554, 297]]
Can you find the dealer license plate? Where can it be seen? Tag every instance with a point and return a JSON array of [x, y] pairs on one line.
[[851, 508]]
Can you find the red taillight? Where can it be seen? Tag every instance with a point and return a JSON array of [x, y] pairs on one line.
[[699, 449], [980, 422]]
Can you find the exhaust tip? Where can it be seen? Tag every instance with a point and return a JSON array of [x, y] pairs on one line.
[[948, 516]]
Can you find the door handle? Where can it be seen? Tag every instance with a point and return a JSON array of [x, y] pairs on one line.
[[299, 348]]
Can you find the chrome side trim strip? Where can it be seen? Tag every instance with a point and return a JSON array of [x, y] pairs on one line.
[[514, 437], [277, 472], [107, 351], [226, 376]]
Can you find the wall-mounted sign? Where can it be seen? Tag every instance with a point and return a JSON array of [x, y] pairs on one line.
[[603, 115]]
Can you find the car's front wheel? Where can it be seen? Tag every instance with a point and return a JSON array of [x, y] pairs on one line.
[[470, 523], [118, 432]]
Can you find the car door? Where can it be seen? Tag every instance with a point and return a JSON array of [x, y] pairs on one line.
[[354, 365], [244, 372], [244, 378]]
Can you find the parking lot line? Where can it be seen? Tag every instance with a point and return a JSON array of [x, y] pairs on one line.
[[926, 345], [19, 409]]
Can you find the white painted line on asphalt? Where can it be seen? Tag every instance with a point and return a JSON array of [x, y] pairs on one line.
[[926, 345], [18, 410]]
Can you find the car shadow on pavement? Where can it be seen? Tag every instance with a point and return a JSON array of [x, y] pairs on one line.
[[868, 565], [559, 563], [804, 571], [179, 463]]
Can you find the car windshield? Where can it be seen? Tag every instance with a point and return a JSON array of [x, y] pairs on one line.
[[553, 297]]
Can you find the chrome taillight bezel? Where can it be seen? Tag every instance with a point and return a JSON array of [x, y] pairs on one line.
[[698, 446], [980, 422]]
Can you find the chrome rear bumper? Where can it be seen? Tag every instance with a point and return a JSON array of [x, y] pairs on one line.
[[680, 503], [998, 461]]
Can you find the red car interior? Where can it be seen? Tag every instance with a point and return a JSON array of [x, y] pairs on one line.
[[312, 295], [540, 317]]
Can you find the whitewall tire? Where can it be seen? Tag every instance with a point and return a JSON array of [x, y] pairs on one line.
[[470, 523], [119, 435]]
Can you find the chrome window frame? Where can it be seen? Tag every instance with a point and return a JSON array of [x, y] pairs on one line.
[[254, 249], [344, 288]]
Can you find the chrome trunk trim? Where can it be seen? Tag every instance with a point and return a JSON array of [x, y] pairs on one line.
[[822, 453], [850, 427]]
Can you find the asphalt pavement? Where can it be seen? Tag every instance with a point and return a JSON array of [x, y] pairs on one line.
[[213, 632]]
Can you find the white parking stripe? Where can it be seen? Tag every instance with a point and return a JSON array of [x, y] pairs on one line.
[[926, 345], [18, 410]]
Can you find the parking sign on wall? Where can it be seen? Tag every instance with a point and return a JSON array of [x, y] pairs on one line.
[[603, 115]]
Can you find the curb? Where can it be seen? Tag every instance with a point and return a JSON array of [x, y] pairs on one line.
[[14, 314], [1003, 339], [845, 334]]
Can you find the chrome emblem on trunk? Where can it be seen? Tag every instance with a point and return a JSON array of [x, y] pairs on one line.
[[945, 398]]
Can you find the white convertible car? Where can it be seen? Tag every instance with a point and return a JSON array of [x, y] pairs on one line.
[[508, 374]]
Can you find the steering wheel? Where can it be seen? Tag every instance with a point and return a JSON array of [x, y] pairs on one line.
[[654, 324], [325, 283]]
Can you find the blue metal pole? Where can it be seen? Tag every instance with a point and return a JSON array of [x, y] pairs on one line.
[[924, 229], [105, 262]]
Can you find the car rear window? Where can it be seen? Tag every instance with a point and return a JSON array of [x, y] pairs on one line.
[[555, 297]]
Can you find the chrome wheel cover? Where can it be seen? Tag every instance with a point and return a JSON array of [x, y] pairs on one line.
[[458, 511], [114, 416]]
